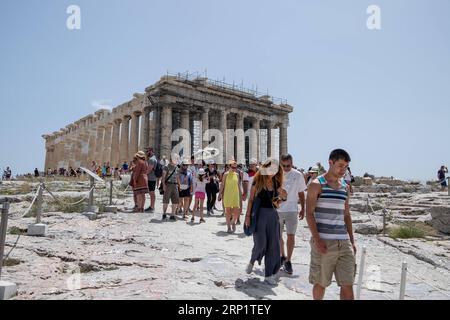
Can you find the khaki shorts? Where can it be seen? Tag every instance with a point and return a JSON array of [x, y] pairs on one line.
[[290, 219], [339, 260], [171, 194]]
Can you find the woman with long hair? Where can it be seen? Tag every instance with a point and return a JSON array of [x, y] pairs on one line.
[[267, 187]]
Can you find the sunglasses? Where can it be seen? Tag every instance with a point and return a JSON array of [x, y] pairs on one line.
[[267, 165]]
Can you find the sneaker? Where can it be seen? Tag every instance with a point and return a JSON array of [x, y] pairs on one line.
[[283, 260], [150, 209], [272, 280], [249, 268], [164, 217], [288, 267], [173, 218], [202, 220]]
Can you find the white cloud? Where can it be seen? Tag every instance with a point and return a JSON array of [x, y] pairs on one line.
[[102, 104]]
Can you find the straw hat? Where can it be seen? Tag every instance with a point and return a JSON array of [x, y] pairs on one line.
[[140, 154], [314, 170]]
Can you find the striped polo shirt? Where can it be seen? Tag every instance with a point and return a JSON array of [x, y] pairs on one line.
[[329, 213]]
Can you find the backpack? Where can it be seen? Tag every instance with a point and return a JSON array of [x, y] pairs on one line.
[[158, 170]]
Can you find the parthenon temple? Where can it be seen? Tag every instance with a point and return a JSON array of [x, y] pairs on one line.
[[195, 104]]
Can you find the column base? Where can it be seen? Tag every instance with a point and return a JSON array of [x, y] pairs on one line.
[[110, 209], [90, 215], [37, 230], [8, 290]]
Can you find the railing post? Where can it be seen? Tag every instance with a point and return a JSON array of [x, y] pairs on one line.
[[7, 289], [448, 185], [384, 222], [38, 229], [39, 203], [361, 273], [91, 195], [3, 229], [110, 191], [403, 281]]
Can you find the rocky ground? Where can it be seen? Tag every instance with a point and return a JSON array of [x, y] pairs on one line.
[[137, 256]]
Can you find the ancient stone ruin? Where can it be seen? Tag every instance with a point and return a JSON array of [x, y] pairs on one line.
[[175, 102]]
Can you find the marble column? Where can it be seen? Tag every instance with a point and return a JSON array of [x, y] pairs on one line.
[[124, 142], [270, 127], [99, 145], [283, 139], [134, 136], [185, 119], [256, 126], [115, 143], [145, 129], [153, 129], [107, 143], [205, 127], [240, 138], [84, 140], [166, 132], [92, 146], [223, 128], [185, 124]]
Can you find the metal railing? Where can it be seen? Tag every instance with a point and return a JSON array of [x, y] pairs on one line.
[[196, 76]]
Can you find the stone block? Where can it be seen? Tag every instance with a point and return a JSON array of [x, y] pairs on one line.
[[90, 215], [8, 290], [37, 230], [111, 209]]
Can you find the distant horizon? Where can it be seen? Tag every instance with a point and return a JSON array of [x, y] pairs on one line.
[[379, 93]]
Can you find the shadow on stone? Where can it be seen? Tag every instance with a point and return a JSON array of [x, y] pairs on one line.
[[222, 234], [254, 288], [156, 221]]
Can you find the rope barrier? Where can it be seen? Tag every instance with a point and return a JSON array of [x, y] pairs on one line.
[[32, 202], [68, 204], [13, 247], [373, 211], [429, 284], [26, 212]]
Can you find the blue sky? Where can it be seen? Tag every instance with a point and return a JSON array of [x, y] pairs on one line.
[[383, 95]]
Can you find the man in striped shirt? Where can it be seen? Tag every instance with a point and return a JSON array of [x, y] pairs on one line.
[[328, 216]]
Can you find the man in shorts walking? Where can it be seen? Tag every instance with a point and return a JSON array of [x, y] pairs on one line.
[[171, 186], [294, 184], [328, 215]]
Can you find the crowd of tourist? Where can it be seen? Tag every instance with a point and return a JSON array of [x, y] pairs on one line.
[[277, 196]]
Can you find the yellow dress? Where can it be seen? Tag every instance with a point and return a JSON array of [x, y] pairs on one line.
[[231, 197]]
